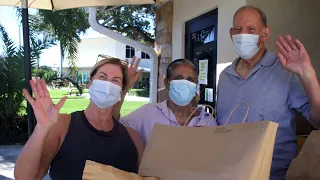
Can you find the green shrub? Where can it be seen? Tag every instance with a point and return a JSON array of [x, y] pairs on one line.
[[139, 92], [45, 72]]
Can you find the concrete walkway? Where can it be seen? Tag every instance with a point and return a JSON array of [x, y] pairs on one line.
[[137, 98], [8, 157]]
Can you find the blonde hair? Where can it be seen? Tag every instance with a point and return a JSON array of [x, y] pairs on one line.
[[115, 61]]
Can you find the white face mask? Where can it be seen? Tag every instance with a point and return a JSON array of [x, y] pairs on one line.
[[104, 94], [246, 45]]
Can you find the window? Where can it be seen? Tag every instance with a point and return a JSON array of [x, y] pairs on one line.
[[203, 36], [130, 51], [144, 55]]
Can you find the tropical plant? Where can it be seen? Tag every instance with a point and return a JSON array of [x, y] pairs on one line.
[[38, 45], [45, 72], [65, 27], [12, 79], [68, 79]]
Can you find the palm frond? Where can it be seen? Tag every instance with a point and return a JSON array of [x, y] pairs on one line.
[[72, 50], [64, 26], [19, 13], [8, 45]]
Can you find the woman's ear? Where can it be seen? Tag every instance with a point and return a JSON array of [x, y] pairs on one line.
[[90, 82]]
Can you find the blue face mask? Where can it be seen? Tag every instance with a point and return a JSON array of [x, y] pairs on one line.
[[182, 92]]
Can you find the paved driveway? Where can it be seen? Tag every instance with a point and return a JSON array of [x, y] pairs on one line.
[[8, 157]]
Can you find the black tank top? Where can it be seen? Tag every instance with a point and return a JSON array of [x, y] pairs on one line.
[[84, 142]]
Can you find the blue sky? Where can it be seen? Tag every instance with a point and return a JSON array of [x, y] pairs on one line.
[[10, 22]]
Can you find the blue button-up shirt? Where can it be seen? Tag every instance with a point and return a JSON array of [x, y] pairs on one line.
[[272, 94]]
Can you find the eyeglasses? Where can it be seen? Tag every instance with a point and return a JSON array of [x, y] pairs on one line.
[[106, 57], [102, 56]]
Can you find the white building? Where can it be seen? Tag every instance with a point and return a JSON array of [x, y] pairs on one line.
[[90, 48]]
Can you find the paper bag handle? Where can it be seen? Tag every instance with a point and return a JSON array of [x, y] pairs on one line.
[[189, 118], [245, 117]]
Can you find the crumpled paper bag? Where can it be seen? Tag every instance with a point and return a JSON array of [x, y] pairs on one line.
[[97, 171], [306, 166]]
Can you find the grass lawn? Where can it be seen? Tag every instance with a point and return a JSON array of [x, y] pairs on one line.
[[72, 105], [129, 106], [77, 103], [59, 93]]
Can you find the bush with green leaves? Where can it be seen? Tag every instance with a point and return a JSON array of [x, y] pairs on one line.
[[12, 81], [45, 72], [139, 92]]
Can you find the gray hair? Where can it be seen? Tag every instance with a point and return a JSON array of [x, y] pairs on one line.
[[263, 16], [174, 64]]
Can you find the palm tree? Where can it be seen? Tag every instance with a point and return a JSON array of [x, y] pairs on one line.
[[63, 26], [12, 78]]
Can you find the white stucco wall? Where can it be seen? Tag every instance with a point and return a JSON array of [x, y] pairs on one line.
[[89, 49], [299, 18], [183, 12], [120, 54]]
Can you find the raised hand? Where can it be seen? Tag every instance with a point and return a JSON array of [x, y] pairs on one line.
[[45, 111], [133, 75], [293, 56]]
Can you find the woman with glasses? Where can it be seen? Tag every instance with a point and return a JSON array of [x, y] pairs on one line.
[[64, 142]]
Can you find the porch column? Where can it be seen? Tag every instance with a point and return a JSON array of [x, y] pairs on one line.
[[164, 18]]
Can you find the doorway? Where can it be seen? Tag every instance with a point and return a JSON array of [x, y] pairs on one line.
[[201, 48]]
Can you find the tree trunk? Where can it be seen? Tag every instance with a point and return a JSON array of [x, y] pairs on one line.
[[61, 60], [38, 61], [9, 108], [3, 135]]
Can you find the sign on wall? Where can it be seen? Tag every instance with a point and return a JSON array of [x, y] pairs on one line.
[[203, 71]]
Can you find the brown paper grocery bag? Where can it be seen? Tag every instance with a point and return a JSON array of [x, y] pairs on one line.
[[306, 166], [232, 152], [97, 171]]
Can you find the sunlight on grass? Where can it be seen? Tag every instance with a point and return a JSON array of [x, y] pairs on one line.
[[78, 103], [72, 105], [58, 94], [130, 106]]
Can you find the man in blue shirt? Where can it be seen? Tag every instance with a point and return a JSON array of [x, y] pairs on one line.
[[274, 86]]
